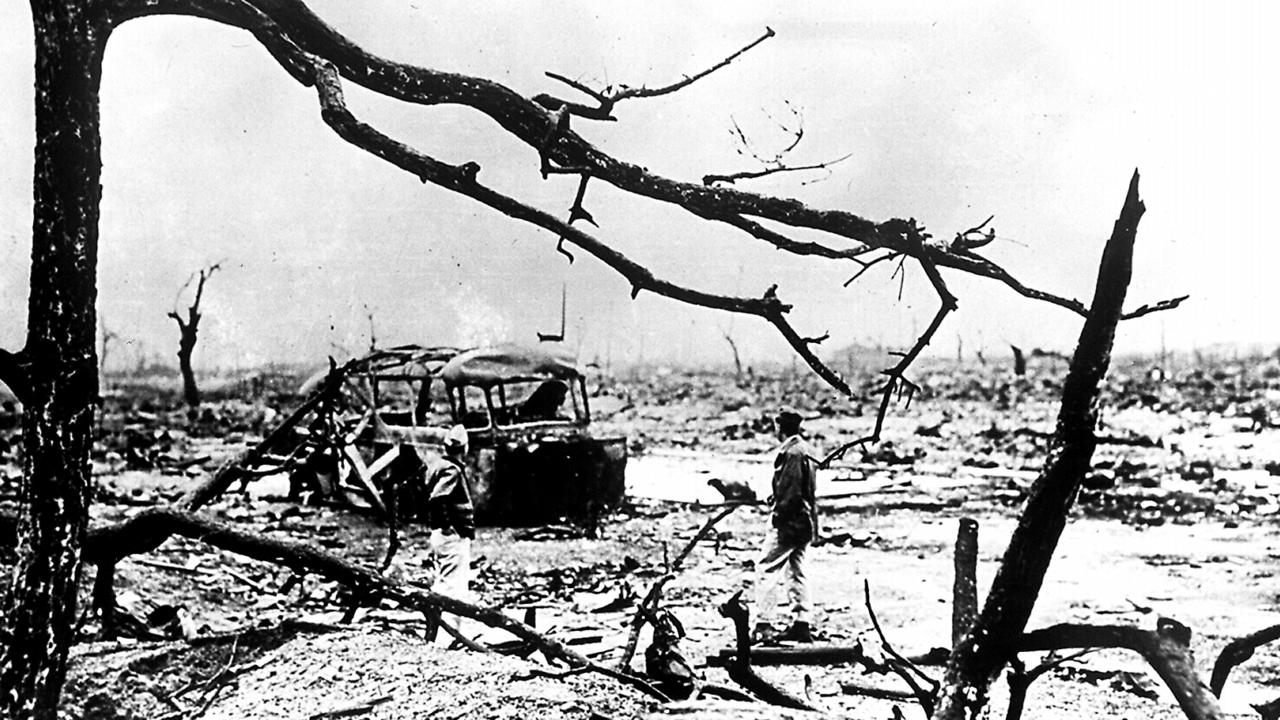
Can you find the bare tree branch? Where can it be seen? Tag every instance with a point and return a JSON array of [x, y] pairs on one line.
[[147, 530], [623, 92], [286, 26], [867, 265], [1167, 649], [753, 174], [897, 383], [1169, 304], [654, 596], [1238, 651], [462, 179], [783, 242], [740, 670], [1020, 679], [607, 98], [903, 667], [973, 238], [299, 39]]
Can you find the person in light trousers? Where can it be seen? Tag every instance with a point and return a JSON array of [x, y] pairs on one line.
[[795, 526]]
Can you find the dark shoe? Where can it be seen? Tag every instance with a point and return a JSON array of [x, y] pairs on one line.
[[799, 632], [764, 634]]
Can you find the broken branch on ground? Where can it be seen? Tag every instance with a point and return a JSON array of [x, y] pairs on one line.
[[654, 596], [1167, 649], [146, 531]]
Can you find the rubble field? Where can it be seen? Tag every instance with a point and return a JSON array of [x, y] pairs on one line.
[[1177, 519]]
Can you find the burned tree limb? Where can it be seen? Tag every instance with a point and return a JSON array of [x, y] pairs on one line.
[[1169, 304], [866, 265], [654, 596], [1238, 651], [1167, 650], [1020, 680], [902, 667], [897, 382], [731, 178], [782, 242], [740, 670], [188, 332], [986, 649], [316, 54], [623, 92], [607, 98], [292, 32], [768, 306], [146, 531], [1269, 710]]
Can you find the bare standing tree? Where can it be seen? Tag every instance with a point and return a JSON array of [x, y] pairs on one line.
[[56, 373], [109, 336], [188, 330]]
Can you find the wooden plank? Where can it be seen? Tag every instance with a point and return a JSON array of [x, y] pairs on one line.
[[382, 462], [361, 472], [813, 654], [808, 654], [729, 710]]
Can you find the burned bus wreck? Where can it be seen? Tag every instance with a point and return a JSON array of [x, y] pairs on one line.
[[533, 458]]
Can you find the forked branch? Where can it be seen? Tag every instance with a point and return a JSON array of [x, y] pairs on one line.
[[1238, 651], [740, 670], [772, 170], [923, 686], [315, 53], [897, 383], [1167, 649], [609, 97], [287, 26], [654, 596]]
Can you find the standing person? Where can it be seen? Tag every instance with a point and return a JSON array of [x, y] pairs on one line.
[[795, 526], [451, 518]]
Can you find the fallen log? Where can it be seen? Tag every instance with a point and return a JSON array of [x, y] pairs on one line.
[[726, 710], [1167, 649], [147, 530], [816, 654]]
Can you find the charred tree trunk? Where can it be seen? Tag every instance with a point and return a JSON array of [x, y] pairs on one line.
[[989, 645], [964, 604], [737, 359], [61, 367], [186, 346], [188, 331]]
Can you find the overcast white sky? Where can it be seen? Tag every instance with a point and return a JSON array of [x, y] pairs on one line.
[[952, 112]]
